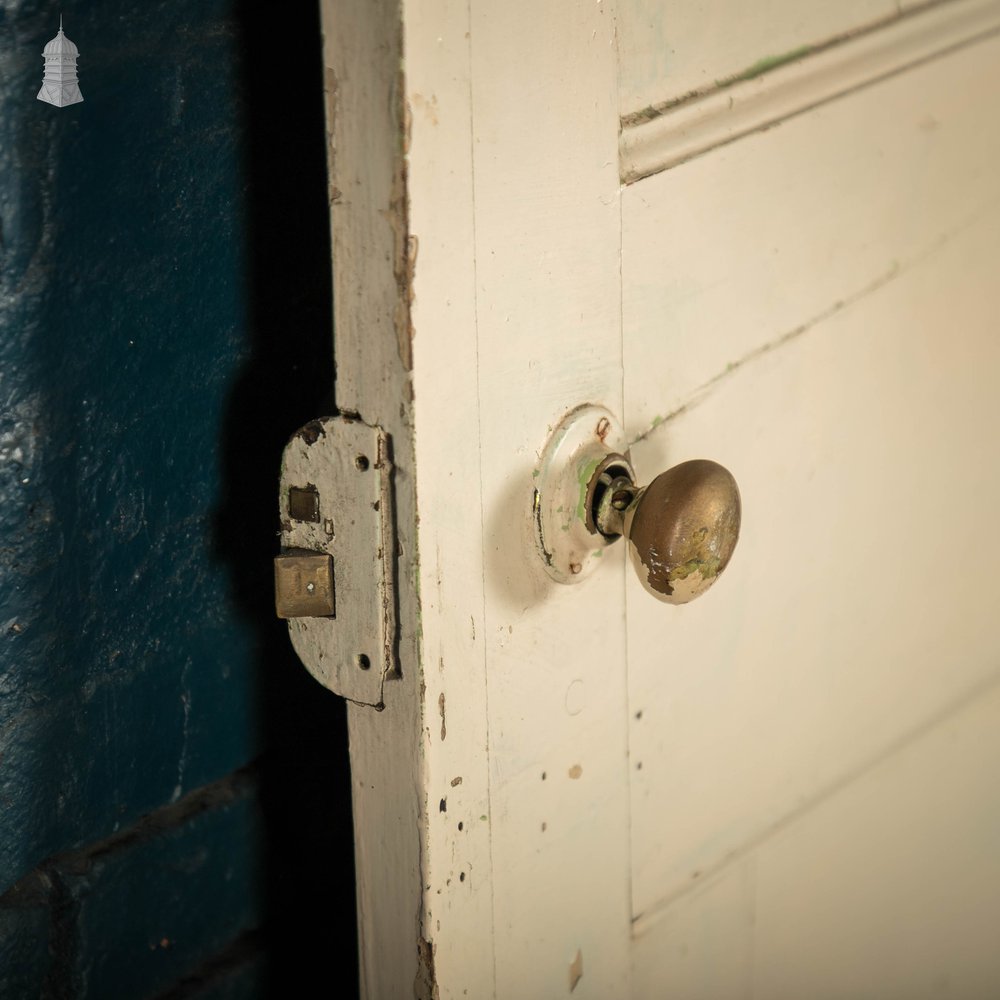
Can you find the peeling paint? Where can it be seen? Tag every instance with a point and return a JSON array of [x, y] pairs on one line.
[[425, 986], [576, 970], [334, 193], [404, 264], [427, 107], [536, 511], [586, 474]]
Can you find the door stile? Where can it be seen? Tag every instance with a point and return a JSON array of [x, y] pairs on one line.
[[544, 85], [362, 51], [457, 931]]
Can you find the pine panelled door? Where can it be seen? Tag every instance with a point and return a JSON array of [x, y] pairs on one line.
[[765, 236]]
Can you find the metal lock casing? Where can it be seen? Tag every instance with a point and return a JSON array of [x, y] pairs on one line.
[[337, 526]]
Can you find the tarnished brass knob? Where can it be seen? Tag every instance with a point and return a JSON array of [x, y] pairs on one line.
[[681, 529]]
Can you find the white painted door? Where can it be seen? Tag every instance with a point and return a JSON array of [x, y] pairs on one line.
[[768, 235]]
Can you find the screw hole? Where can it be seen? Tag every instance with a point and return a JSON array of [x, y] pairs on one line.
[[361, 463], [363, 662]]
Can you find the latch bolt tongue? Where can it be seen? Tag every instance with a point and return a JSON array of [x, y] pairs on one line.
[[303, 586]]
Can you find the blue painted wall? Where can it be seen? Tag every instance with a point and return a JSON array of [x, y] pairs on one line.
[[167, 771]]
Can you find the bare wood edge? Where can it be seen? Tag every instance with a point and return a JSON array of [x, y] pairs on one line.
[[372, 271], [694, 127]]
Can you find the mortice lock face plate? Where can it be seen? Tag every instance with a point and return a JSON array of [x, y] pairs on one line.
[[334, 578]]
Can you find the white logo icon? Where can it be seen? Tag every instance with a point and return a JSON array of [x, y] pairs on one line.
[[59, 86]]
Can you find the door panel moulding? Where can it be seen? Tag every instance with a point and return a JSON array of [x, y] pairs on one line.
[[658, 139]]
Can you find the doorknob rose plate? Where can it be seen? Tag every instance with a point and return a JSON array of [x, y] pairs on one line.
[[567, 539]]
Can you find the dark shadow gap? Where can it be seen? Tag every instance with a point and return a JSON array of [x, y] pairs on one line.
[[310, 923]]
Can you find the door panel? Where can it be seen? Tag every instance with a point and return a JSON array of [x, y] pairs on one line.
[[861, 604], [861, 601]]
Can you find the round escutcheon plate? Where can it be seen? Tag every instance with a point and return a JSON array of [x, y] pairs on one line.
[[569, 544]]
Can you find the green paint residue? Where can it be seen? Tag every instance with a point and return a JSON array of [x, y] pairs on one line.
[[765, 65], [759, 68], [708, 568]]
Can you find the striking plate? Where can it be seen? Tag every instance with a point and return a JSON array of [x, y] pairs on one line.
[[335, 576], [569, 542]]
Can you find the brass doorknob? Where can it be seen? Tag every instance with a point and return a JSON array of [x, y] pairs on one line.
[[681, 529]]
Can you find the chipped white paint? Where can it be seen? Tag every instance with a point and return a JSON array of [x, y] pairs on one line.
[[550, 776], [348, 464], [576, 970]]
